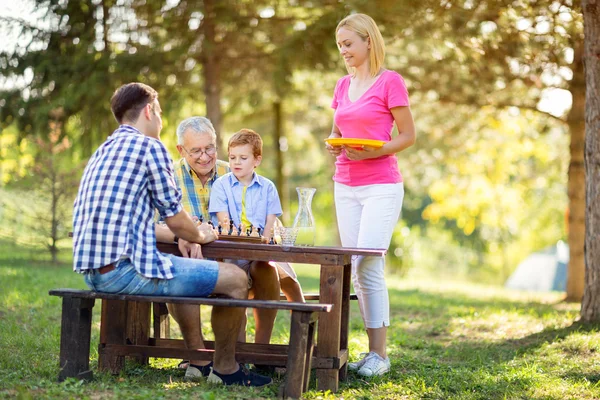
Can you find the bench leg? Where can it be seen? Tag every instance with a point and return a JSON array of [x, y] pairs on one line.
[[161, 321], [310, 345], [113, 330], [345, 317], [138, 327], [75, 330], [295, 368]]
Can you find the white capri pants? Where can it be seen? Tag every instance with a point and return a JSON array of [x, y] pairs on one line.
[[366, 217]]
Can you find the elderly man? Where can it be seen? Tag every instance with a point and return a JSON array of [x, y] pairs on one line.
[[114, 237], [195, 173]]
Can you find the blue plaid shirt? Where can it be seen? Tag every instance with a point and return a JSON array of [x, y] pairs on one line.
[[125, 180]]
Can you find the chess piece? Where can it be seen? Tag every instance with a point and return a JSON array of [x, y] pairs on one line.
[[241, 229], [200, 219], [223, 228], [254, 232], [248, 231], [272, 241], [231, 227]]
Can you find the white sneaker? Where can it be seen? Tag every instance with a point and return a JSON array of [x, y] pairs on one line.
[[355, 366], [197, 372], [375, 365]]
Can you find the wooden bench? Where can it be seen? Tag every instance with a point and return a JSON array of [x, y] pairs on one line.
[[117, 339], [162, 323]]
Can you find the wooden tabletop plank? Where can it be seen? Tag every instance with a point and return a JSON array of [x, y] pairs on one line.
[[270, 252]]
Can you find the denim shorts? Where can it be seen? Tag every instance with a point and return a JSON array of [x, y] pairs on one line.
[[191, 278]]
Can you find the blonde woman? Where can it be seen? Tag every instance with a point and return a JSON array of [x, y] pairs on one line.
[[368, 185]]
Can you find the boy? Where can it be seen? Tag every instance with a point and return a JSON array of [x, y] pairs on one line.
[[249, 199]]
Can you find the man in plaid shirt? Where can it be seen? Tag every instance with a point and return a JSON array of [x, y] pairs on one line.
[[114, 235]]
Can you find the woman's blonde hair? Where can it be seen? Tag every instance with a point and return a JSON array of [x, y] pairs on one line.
[[365, 27]]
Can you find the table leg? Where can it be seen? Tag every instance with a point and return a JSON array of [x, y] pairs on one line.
[[328, 339]]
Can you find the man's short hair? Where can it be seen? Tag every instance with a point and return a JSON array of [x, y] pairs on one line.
[[197, 125], [128, 101], [247, 136]]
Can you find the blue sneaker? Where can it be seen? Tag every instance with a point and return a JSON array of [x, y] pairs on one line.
[[242, 377]]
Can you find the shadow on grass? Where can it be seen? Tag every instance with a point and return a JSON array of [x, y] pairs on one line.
[[429, 357]]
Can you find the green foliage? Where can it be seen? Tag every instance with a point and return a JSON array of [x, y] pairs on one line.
[[447, 341], [501, 191], [485, 183], [44, 208]]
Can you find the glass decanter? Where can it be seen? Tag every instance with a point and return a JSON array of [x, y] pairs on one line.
[[304, 220]]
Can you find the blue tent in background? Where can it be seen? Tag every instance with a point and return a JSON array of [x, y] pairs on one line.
[[543, 270]]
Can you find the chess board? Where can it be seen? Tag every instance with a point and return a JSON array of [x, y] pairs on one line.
[[240, 238]]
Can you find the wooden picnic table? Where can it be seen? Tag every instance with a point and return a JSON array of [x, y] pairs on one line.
[[335, 269]]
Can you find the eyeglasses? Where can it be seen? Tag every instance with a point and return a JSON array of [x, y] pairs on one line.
[[197, 153]]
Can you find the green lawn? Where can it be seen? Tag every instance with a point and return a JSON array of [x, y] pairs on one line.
[[447, 341]]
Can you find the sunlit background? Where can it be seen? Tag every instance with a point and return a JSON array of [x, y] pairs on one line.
[[491, 88]]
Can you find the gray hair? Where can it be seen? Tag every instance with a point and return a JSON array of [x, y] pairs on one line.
[[199, 125]]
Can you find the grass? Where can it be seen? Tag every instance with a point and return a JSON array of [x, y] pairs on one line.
[[447, 341]]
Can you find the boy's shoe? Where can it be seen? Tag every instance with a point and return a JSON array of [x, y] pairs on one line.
[[374, 366], [195, 372], [355, 366], [242, 377]]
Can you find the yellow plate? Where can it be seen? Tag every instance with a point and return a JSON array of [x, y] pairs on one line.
[[354, 142]]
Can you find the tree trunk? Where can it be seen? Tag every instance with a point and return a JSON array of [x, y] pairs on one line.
[[576, 184], [280, 147], [590, 307], [54, 210], [210, 70]]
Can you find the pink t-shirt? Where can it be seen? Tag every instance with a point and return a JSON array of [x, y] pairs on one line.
[[369, 117]]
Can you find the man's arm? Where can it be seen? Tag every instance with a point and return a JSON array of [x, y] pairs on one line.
[[164, 234], [181, 224], [188, 249]]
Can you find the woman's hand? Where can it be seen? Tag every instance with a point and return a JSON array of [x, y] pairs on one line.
[[334, 150], [363, 153], [189, 249]]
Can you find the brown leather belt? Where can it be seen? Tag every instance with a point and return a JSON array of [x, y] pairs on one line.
[[106, 269]]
